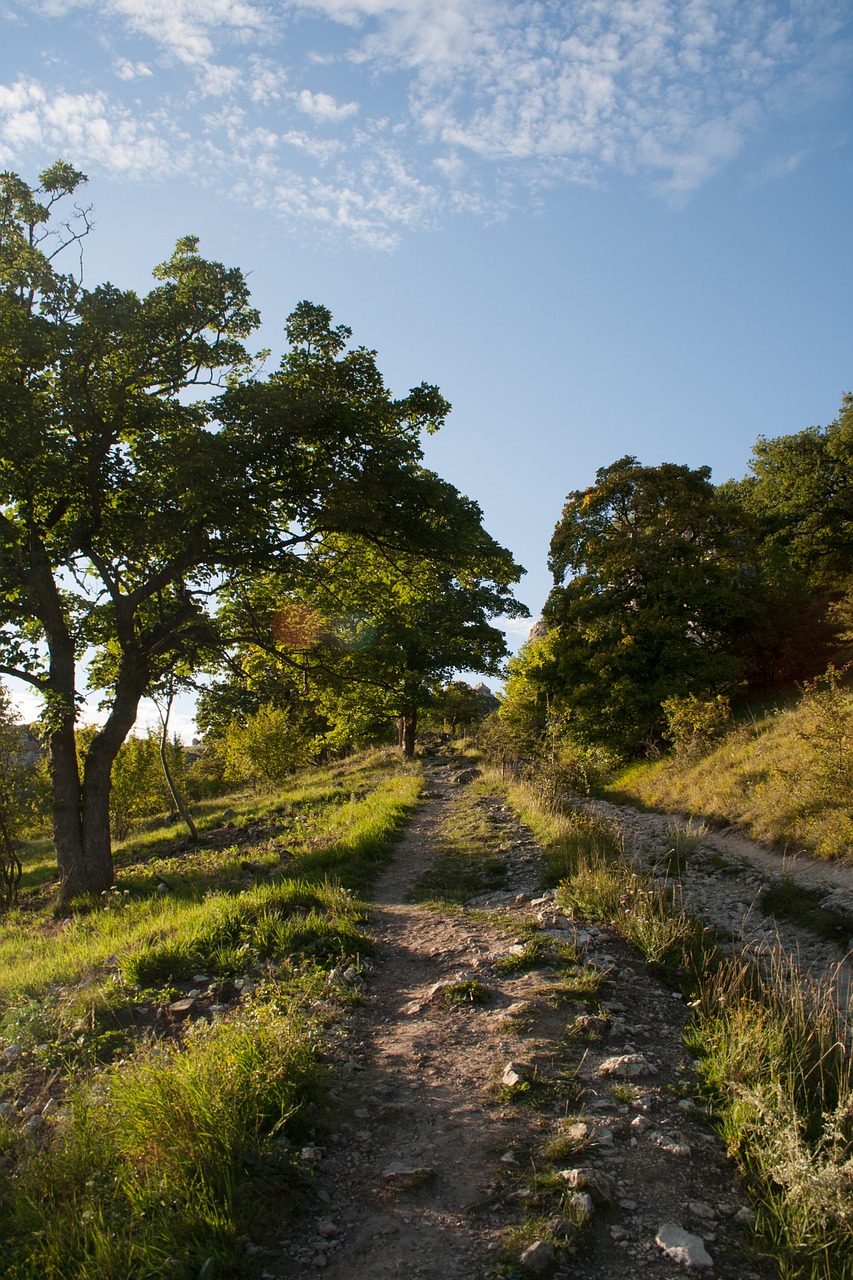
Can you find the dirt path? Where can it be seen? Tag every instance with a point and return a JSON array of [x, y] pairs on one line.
[[433, 1158]]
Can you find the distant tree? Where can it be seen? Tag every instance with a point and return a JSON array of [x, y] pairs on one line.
[[374, 632], [13, 800], [459, 707], [652, 590], [129, 493], [801, 490]]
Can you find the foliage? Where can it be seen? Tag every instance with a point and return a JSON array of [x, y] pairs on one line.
[[131, 494], [801, 489], [459, 708], [375, 632], [649, 599], [694, 724], [19, 797], [265, 750]]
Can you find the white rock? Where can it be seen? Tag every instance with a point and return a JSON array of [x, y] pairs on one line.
[[682, 1247], [538, 1257], [511, 1075], [627, 1066]]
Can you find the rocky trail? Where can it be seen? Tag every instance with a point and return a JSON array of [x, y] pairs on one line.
[[461, 1122]]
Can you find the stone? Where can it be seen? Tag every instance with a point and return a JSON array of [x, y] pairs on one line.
[[682, 1246], [181, 1009], [403, 1176], [511, 1075], [582, 1205], [674, 1144], [597, 1184], [700, 1209], [538, 1257], [13, 1052], [326, 1228], [466, 775], [578, 1132], [627, 1066]]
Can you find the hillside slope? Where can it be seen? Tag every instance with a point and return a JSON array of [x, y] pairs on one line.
[[784, 779]]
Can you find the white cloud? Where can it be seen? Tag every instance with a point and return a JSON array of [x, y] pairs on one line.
[[87, 127], [432, 105], [127, 70], [322, 106]]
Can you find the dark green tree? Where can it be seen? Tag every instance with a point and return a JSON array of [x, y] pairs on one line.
[[652, 571], [126, 501], [801, 491]]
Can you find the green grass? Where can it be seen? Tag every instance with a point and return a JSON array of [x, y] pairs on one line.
[[166, 1148], [775, 1055], [467, 864]]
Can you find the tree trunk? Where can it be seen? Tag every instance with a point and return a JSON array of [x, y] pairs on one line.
[[410, 727], [97, 775], [67, 824]]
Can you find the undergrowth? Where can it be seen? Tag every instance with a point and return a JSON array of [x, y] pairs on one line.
[[774, 1052], [170, 1137], [784, 778]]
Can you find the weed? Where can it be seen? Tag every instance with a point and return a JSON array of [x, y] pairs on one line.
[[787, 898], [681, 842], [471, 991]]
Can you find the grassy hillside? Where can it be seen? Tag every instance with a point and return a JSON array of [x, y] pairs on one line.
[[785, 777], [159, 1048]]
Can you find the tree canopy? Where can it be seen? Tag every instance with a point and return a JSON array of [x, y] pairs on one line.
[[145, 462]]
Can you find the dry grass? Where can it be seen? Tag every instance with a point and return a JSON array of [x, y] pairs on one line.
[[785, 780]]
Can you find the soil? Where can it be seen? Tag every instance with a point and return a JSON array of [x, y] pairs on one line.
[[437, 1168]]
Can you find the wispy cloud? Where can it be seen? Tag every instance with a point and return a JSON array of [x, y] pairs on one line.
[[375, 116], [322, 106]]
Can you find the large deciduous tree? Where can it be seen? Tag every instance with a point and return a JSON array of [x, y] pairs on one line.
[[143, 464], [651, 569]]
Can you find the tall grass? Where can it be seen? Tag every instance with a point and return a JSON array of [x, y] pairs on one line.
[[784, 778], [776, 1057], [142, 1178], [164, 1150], [775, 1054]]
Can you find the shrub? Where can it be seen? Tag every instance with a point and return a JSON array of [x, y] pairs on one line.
[[694, 725]]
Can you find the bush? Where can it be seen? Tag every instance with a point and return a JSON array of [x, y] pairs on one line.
[[694, 725]]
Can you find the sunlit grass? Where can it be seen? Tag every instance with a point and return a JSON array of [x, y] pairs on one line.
[[778, 778], [171, 1136]]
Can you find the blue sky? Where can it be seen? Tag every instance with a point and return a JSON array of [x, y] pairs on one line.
[[601, 227]]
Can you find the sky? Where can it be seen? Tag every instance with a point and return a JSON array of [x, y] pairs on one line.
[[602, 227]]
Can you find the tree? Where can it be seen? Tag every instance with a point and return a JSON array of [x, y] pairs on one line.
[[653, 575], [126, 500], [375, 631], [801, 490]]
